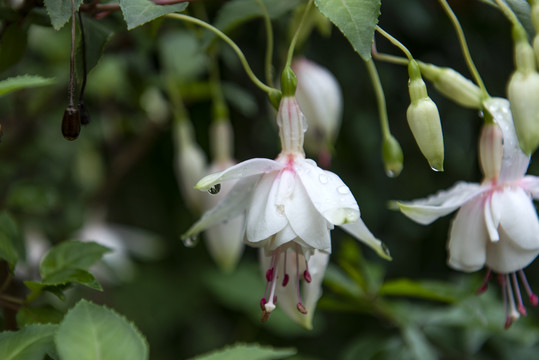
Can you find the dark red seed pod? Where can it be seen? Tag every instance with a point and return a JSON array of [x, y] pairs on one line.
[[71, 123]]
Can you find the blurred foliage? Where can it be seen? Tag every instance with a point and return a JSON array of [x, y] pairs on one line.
[[121, 165]]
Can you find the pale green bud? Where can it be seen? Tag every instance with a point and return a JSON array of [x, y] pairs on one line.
[[535, 20], [491, 150], [453, 85], [424, 120], [392, 155]]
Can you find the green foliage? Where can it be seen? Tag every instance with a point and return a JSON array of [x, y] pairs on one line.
[[60, 11], [356, 19], [139, 12], [12, 45], [97, 35], [247, 351], [21, 82], [30, 343], [10, 239], [90, 331]]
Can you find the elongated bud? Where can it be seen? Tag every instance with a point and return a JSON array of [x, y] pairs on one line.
[[71, 123], [292, 125], [535, 21], [523, 94], [320, 99], [491, 150], [392, 155], [453, 85], [424, 120]]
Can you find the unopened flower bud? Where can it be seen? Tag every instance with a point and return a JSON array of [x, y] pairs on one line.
[[523, 94], [71, 123], [491, 150], [289, 82], [453, 85], [535, 21], [392, 155], [190, 164], [424, 120], [320, 99]]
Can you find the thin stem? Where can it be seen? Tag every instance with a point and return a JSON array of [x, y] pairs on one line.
[[296, 34], [395, 42], [509, 14], [464, 47], [231, 43], [269, 43], [380, 97], [388, 58], [84, 65], [71, 89]]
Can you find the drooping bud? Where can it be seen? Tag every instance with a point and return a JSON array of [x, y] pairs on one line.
[[424, 120], [392, 155], [190, 163], [523, 94], [71, 123], [320, 99], [452, 85], [491, 150]]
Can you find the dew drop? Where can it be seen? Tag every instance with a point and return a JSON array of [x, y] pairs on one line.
[[323, 179], [385, 249], [435, 169], [343, 189], [215, 189], [190, 241], [390, 173]]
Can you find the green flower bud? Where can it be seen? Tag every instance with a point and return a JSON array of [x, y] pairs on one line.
[[289, 82], [453, 85], [392, 155], [535, 20], [523, 94], [424, 120]]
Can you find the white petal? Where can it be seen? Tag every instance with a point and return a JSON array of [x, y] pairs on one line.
[[232, 205], [425, 211], [530, 184], [225, 242], [328, 193], [504, 257], [306, 221], [359, 230], [514, 161], [264, 217], [491, 213], [519, 218], [468, 238], [244, 169]]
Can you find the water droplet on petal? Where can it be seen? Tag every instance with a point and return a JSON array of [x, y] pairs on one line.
[[385, 249], [435, 169], [323, 179], [343, 189], [215, 189], [190, 241], [390, 173]]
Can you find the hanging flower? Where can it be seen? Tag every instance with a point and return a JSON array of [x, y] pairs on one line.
[[496, 224], [290, 206]]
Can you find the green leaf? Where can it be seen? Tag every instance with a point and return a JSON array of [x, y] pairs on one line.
[[60, 11], [29, 343], [70, 255], [236, 12], [522, 10], [356, 19], [248, 351], [423, 290], [418, 344], [9, 238], [7, 250], [38, 315], [182, 56], [97, 35], [21, 82], [138, 12], [12, 45], [90, 331]]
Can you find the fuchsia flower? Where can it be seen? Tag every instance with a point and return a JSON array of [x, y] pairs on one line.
[[496, 224], [290, 207]]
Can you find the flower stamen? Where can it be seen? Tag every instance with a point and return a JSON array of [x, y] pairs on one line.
[[531, 295], [521, 308], [301, 308], [484, 286]]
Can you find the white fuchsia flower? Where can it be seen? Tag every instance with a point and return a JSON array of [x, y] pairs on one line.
[[496, 225], [290, 206]]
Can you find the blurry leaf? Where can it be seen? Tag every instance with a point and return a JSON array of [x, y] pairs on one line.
[[356, 19], [138, 12], [236, 12], [418, 344], [248, 351], [340, 283], [522, 10], [423, 290], [90, 331], [9, 239], [240, 99], [38, 315], [36, 288], [71, 255], [33, 197], [372, 347], [12, 45], [97, 35], [22, 82], [60, 11], [70, 275], [29, 343], [182, 56]]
